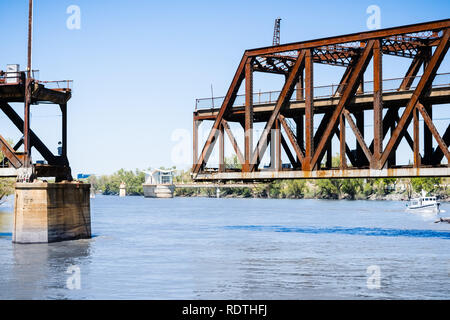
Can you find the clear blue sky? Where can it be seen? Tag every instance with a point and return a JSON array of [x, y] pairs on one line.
[[139, 65]]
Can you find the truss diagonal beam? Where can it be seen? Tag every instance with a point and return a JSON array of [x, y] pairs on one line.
[[9, 153], [430, 125], [282, 101], [358, 136], [35, 141], [438, 154], [347, 94], [291, 138], [422, 86], [233, 142], [291, 158], [362, 36], [226, 105]]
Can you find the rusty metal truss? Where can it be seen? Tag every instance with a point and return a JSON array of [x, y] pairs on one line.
[[13, 88], [288, 114]]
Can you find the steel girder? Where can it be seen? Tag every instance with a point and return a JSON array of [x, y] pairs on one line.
[[354, 52]]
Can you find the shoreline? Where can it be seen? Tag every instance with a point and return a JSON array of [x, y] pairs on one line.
[[389, 197]]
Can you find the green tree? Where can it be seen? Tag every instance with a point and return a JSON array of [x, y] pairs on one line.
[[427, 184]]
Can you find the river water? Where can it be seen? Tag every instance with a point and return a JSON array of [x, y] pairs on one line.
[[200, 248]]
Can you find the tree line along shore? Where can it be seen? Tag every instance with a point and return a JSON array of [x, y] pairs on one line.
[[352, 189]]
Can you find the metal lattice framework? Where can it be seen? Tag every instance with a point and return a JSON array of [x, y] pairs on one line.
[[19, 164], [289, 120]]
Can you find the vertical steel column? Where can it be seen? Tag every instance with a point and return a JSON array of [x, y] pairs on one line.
[[427, 135], [299, 127], [300, 87], [64, 130], [360, 157], [392, 160], [277, 141], [342, 156], [309, 110], [195, 126], [329, 161], [416, 138], [221, 149], [248, 115], [377, 104]]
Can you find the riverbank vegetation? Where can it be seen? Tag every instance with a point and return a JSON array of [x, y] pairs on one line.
[[110, 184], [352, 189]]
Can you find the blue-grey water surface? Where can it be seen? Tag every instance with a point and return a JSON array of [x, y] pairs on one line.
[[200, 248]]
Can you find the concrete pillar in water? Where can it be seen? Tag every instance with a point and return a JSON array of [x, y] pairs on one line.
[[50, 212], [122, 190]]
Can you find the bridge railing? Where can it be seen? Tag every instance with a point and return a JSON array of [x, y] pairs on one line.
[[58, 85], [18, 77], [322, 92]]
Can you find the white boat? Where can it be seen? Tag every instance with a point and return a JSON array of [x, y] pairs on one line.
[[423, 204]]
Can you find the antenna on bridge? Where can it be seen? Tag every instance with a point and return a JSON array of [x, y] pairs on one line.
[[26, 129], [276, 32]]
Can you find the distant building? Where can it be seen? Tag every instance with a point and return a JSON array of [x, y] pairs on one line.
[[122, 189], [159, 184]]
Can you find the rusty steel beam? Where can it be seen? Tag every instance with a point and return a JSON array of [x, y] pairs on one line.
[[195, 125], [283, 99], [233, 141], [291, 158], [377, 104], [277, 146], [226, 105], [358, 135], [268, 175], [221, 149], [441, 143], [355, 37], [348, 93], [35, 141], [10, 154], [407, 135], [437, 155], [348, 152], [423, 85], [416, 149], [411, 73], [342, 144], [309, 111], [248, 128], [291, 138]]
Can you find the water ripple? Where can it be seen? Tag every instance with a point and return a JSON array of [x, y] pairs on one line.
[[414, 233]]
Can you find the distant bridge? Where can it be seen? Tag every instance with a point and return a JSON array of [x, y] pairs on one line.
[[288, 114]]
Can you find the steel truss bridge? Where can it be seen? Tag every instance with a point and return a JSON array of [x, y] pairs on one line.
[[288, 115]]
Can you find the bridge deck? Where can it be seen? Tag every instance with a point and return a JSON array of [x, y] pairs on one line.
[[440, 95], [40, 94], [406, 171]]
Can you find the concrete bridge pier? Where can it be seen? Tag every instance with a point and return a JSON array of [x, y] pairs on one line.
[[50, 212]]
